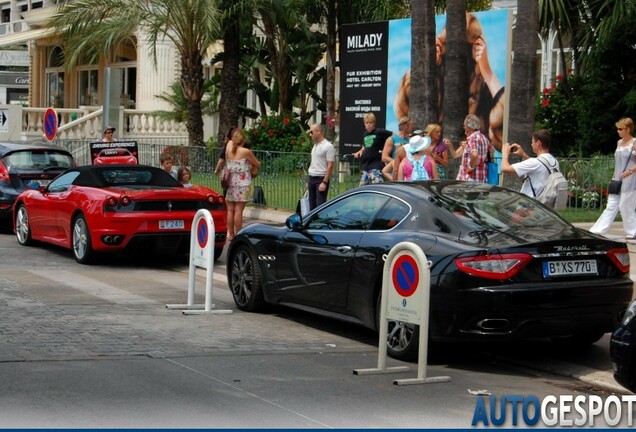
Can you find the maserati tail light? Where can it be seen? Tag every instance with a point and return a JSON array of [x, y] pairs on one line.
[[620, 258], [497, 266]]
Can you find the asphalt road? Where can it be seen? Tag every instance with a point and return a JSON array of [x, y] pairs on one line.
[[95, 347]]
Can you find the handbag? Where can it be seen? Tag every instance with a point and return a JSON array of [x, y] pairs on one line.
[[614, 187], [225, 178], [492, 174]]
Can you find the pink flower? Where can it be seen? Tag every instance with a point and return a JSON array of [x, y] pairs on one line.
[[546, 91], [271, 132], [545, 103], [286, 121], [264, 123], [559, 77]]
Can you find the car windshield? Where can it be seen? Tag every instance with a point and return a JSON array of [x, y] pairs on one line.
[[37, 159], [480, 208], [147, 176]]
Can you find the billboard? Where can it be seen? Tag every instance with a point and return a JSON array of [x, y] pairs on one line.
[[375, 64]]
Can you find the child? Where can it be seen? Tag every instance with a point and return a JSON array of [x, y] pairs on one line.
[[167, 162], [183, 175]]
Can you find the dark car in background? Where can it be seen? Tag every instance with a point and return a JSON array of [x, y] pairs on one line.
[[623, 350], [25, 163], [503, 266]]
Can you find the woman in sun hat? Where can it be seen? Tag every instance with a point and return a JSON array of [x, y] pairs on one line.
[[418, 164]]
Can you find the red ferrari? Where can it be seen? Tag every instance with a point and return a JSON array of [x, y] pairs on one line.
[[115, 208]]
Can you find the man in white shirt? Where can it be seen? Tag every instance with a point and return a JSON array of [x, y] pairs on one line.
[[535, 169], [323, 155]]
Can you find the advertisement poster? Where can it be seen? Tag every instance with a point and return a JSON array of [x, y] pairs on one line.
[[487, 38], [363, 80], [115, 152]]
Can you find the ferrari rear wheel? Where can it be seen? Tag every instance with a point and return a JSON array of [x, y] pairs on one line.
[[22, 226], [217, 253], [246, 280], [82, 249]]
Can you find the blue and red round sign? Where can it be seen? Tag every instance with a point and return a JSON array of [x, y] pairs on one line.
[[202, 232], [50, 124], [405, 275]]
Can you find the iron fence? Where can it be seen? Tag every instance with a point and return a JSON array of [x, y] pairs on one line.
[[282, 177]]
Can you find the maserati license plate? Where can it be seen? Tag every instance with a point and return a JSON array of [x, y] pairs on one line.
[[171, 224], [569, 268]]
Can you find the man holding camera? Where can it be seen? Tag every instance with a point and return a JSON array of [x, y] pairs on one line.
[[535, 169]]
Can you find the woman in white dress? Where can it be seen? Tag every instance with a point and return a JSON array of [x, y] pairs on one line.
[[624, 169]]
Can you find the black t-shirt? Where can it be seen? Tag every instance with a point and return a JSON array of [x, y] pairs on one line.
[[373, 145]]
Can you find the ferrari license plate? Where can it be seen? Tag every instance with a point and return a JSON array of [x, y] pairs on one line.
[[569, 268], [171, 224]]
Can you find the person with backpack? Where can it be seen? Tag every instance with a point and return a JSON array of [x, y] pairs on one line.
[[622, 200], [542, 177], [417, 163]]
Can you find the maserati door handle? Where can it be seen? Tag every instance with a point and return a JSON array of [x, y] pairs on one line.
[[344, 249]]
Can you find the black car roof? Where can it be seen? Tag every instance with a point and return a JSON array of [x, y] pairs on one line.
[[91, 175], [7, 147]]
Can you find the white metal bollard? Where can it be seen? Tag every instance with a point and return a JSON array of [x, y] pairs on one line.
[[201, 255], [406, 287]]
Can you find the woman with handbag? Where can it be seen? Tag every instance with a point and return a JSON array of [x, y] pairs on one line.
[[622, 190], [242, 166]]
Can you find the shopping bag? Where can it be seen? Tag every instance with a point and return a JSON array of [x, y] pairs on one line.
[[302, 208]]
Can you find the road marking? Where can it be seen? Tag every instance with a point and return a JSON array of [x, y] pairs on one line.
[[92, 287]]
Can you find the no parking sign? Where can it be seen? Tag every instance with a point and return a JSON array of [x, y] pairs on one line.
[[203, 231], [409, 278]]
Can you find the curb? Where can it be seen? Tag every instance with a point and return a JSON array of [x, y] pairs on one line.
[[267, 214]]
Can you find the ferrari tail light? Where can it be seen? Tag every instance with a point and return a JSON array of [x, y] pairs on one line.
[[620, 258], [496, 266], [221, 199], [4, 173], [125, 200], [110, 204], [210, 199]]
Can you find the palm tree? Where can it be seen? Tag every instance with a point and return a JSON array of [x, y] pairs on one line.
[[423, 104], [523, 93], [93, 28], [453, 70], [230, 76]]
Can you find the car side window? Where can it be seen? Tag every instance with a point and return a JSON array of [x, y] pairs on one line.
[[354, 212], [63, 182], [390, 215]]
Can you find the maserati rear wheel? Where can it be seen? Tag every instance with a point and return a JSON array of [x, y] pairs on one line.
[[246, 280], [82, 249], [22, 226]]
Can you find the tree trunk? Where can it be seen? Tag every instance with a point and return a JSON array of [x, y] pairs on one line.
[[230, 81], [192, 82], [423, 99], [453, 75], [524, 69]]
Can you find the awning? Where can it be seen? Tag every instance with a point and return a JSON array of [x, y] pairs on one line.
[[25, 36]]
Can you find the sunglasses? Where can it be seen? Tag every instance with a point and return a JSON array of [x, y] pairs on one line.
[[108, 132], [620, 129]]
